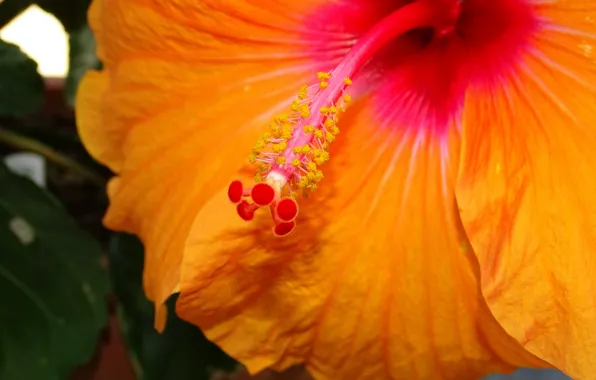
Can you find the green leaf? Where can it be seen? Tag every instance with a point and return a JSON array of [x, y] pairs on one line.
[[21, 87], [82, 57], [52, 285], [181, 352]]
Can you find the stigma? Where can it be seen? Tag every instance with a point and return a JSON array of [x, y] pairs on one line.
[[289, 156]]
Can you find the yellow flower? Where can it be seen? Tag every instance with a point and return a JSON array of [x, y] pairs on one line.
[[449, 229]]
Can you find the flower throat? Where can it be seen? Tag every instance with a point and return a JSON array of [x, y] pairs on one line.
[[289, 155]]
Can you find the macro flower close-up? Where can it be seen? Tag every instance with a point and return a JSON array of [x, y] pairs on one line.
[[374, 189]]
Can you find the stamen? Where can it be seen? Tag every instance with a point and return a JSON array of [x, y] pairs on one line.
[[290, 154]]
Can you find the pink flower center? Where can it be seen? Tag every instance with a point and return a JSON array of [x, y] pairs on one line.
[[298, 143]]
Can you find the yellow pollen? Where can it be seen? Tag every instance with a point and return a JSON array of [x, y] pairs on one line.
[[303, 183], [303, 92], [303, 168], [318, 175], [259, 145], [304, 111], [322, 75], [286, 131], [278, 148], [321, 158], [281, 119]]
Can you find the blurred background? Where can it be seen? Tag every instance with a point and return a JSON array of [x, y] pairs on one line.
[[72, 301]]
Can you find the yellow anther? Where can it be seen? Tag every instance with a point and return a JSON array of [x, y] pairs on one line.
[[320, 158], [297, 150], [308, 129], [324, 110], [281, 160], [334, 130], [258, 178], [322, 75], [312, 186], [348, 81], [295, 107], [304, 111], [278, 148], [303, 183], [305, 149], [281, 119], [311, 166], [318, 175], [252, 158], [318, 133], [296, 162], [303, 92], [329, 137], [286, 131], [329, 123], [324, 85], [259, 145], [347, 98], [332, 110]]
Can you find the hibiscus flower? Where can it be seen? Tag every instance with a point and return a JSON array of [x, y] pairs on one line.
[[446, 149]]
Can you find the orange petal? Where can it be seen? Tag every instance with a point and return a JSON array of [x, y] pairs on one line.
[[172, 114], [376, 282], [99, 139], [527, 192]]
